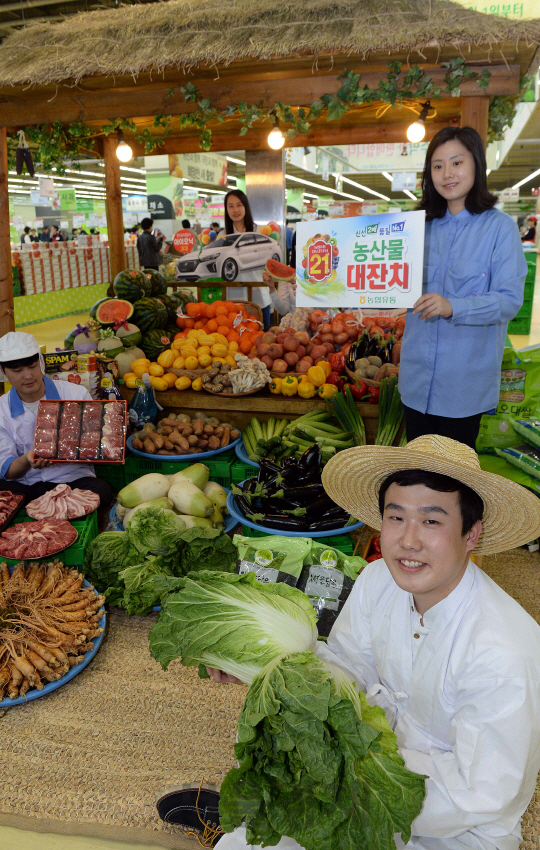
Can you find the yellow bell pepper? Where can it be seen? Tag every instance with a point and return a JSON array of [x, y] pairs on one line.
[[316, 375], [192, 362], [326, 390], [159, 384], [275, 386], [289, 385], [179, 363], [325, 365], [306, 389], [197, 385], [170, 377], [182, 383], [155, 370], [303, 379], [166, 358]]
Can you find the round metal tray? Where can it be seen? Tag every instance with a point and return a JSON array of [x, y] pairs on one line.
[[234, 512], [67, 677], [182, 458]]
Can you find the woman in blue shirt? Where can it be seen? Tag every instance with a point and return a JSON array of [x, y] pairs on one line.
[[474, 271]]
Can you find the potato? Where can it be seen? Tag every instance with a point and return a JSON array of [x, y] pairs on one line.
[[375, 361], [371, 371]]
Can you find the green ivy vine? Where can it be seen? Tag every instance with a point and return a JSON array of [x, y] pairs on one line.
[[502, 111], [55, 145]]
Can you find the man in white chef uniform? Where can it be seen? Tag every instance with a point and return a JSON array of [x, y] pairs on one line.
[[21, 363], [453, 660]]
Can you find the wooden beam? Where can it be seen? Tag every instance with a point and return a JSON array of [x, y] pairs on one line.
[[113, 206], [326, 134], [7, 317], [474, 113], [81, 103]]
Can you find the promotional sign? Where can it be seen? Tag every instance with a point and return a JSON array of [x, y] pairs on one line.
[[85, 204], [386, 156], [67, 199], [509, 195], [79, 220], [46, 187], [199, 167], [184, 241], [135, 203], [37, 200], [366, 261]]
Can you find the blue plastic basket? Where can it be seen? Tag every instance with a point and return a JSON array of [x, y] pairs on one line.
[[192, 458], [234, 512], [241, 454], [67, 677]]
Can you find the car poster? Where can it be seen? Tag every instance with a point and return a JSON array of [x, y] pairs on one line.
[[370, 261]]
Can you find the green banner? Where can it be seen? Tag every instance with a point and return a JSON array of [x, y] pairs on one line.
[[85, 204], [51, 305], [67, 199]]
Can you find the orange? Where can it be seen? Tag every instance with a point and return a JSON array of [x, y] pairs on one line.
[[230, 306], [221, 310], [226, 320], [223, 329], [253, 326], [210, 311], [180, 336], [193, 311], [233, 315], [199, 325], [232, 336], [185, 323], [211, 325], [218, 303], [245, 344]]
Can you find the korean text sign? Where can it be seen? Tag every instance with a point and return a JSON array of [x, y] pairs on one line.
[[369, 261]]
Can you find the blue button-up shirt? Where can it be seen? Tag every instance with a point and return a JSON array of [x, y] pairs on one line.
[[452, 367]]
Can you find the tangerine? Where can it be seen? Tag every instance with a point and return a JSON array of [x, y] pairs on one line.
[[221, 310], [210, 311], [252, 326], [200, 324], [245, 344], [223, 329], [232, 336], [193, 310], [211, 325], [232, 316], [180, 336], [230, 306]]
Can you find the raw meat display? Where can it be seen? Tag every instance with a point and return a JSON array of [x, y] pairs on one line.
[[36, 539], [63, 503], [9, 504], [81, 431]]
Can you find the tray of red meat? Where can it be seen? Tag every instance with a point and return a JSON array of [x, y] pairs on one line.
[[10, 505], [25, 541], [63, 503], [81, 431]]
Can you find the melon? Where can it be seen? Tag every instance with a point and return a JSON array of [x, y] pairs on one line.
[[70, 339], [111, 346], [107, 311], [85, 344], [279, 271], [130, 284], [126, 358], [130, 335], [150, 313], [154, 342], [158, 282]]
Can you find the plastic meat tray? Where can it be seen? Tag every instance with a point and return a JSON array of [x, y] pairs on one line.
[[82, 404]]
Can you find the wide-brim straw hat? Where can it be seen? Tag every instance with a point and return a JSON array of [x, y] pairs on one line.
[[353, 478]]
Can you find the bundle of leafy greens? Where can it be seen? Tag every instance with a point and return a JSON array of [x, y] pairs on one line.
[[316, 762], [140, 595], [107, 555], [155, 531]]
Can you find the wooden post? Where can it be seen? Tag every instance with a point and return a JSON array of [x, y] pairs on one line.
[[7, 318], [113, 205], [474, 113]]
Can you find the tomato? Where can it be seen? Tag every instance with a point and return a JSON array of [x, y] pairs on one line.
[[371, 558]]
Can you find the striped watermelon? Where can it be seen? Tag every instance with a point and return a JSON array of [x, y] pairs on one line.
[[154, 342], [130, 284], [172, 306], [158, 282], [149, 313]]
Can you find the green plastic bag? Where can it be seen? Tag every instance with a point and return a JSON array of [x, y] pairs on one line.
[[519, 398], [501, 466], [287, 556]]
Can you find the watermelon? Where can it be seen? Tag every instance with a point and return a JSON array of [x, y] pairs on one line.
[[171, 305], [154, 342], [130, 284], [279, 271], [158, 282], [146, 286], [172, 330], [149, 313], [130, 336], [107, 311]]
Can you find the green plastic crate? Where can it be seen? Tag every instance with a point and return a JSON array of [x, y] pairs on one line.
[[73, 556], [525, 311], [220, 467], [114, 474], [209, 294], [520, 326], [240, 471], [528, 293], [343, 542]]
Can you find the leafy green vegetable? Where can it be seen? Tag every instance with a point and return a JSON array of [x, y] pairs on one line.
[[156, 531], [140, 595], [204, 548], [232, 622], [313, 768], [107, 554]]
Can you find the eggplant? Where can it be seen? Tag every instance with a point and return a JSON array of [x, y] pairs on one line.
[[382, 352], [310, 458], [268, 469], [304, 495], [374, 344], [321, 506], [326, 524], [285, 524]]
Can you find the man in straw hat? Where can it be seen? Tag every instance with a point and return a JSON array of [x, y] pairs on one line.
[[22, 364], [432, 639]]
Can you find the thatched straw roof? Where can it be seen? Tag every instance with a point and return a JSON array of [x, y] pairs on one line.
[[186, 33]]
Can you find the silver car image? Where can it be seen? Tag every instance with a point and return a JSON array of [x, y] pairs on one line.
[[227, 256]]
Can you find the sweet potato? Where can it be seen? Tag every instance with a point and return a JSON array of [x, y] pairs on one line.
[[169, 446], [226, 438], [163, 452], [208, 429], [166, 430], [158, 441], [172, 423], [149, 446], [214, 443], [198, 427], [202, 444], [193, 440], [218, 432], [183, 443], [235, 433], [138, 444], [194, 451]]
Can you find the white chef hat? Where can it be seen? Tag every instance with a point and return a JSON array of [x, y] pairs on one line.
[[16, 346]]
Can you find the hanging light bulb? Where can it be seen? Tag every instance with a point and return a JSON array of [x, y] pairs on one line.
[[417, 131], [276, 139], [123, 151]]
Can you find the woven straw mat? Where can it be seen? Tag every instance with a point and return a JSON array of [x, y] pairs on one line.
[[91, 757]]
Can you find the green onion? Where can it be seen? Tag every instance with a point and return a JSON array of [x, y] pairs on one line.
[[390, 412], [343, 408]]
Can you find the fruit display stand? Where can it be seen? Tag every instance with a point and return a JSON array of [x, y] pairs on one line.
[[239, 411]]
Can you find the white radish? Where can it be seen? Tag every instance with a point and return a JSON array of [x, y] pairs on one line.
[[144, 489], [197, 473], [216, 494], [193, 521], [188, 499]]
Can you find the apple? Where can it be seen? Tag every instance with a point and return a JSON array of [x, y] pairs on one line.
[[317, 352], [330, 347], [301, 351], [282, 337], [275, 351], [291, 343], [302, 337], [275, 329], [269, 338], [279, 366], [268, 362], [303, 366], [291, 358], [262, 349], [327, 338], [341, 338]]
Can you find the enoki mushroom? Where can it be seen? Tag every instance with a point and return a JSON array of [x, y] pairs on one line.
[[47, 624]]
